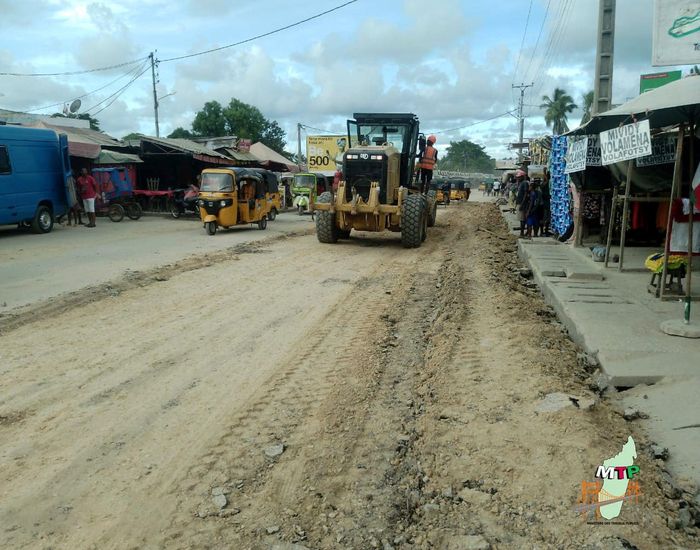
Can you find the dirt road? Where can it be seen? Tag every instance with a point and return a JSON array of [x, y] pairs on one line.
[[314, 396], [38, 267]]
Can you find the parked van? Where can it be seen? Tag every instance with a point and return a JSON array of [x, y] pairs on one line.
[[35, 177]]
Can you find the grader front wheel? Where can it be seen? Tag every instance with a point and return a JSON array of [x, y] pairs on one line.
[[326, 230], [414, 221]]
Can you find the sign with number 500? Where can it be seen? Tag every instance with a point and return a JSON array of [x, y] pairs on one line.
[[325, 153]]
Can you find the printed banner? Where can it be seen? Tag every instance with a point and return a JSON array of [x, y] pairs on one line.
[[663, 151], [625, 143], [576, 152], [593, 157], [325, 153], [676, 32]]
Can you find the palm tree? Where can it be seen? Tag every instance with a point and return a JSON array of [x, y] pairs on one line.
[[557, 109], [587, 106]]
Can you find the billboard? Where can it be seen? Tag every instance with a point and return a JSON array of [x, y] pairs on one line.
[[656, 80], [676, 32], [325, 153]]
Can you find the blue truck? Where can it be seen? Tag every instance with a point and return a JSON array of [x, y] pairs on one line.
[[36, 184]]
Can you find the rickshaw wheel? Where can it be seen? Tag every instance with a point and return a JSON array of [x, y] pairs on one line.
[[262, 224], [300, 210], [134, 211], [210, 227], [116, 212], [273, 214]]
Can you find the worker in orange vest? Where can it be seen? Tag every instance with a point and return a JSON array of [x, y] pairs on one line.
[[427, 163]]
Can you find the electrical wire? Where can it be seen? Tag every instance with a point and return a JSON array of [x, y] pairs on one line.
[[86, 71], [469, 125], [131, 72], [522, 42], [539, 35], [304, 126], [116, 94], [256, 37]]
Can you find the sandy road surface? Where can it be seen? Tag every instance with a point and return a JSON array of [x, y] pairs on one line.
[[37, 267], [402, 386]]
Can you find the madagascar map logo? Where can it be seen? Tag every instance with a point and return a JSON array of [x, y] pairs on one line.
[[615, 485]]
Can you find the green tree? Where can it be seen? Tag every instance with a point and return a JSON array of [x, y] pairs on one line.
[[466, 156], [237, 119], [181, 132], [244, 121], [94, 123], [210, 121], [556, 109], [273, 136], [132, 136], [587, 106]]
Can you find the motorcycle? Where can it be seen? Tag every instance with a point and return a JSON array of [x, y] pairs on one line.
[[185, 201]]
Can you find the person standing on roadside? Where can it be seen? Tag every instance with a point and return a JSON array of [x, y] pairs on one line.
[[88, 193], [521, 198]]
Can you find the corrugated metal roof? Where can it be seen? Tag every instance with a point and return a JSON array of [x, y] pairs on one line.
[[184, 145], [115, 157], [242, 156]]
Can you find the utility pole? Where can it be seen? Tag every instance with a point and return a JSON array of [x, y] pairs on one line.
[[521, 116], [155, 95], [602, 90], [299, 144]]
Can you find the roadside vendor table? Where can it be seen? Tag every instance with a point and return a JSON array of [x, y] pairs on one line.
[[154, 201]]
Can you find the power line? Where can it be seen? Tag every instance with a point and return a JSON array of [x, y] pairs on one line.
[[522, 42], [469, 125], [305, 127], [539, 35], [256, 37], [72, 73], [84, 95], [118, 93]]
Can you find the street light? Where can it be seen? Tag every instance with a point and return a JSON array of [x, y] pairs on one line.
[[166, 95]]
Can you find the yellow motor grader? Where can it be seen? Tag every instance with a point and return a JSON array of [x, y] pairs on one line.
[[378, 191]]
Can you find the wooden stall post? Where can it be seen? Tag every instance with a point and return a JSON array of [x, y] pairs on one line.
[[625, 213], [611, 223], [669, 221], [691, 199]]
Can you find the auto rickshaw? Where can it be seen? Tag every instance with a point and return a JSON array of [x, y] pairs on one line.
[[232, 196], [442, 190], [272, 192], [305, 188], [457, 190]]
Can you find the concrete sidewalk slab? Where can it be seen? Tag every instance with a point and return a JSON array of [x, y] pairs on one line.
[[674, 421], [611, 315]]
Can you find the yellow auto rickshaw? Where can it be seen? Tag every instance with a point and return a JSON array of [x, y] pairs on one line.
[[232, 196], [272, 192]]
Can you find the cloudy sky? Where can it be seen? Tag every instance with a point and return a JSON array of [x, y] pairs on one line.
[[452, 62]]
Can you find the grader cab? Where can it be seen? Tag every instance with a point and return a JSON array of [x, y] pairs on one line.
[[378, 191]]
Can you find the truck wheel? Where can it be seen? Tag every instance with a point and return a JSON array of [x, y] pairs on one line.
[[43, 220], [134, 210], [262, 224], [413, 221], [116, 212], [273, 214], [432, 208], [326, 230], [210, 227]]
